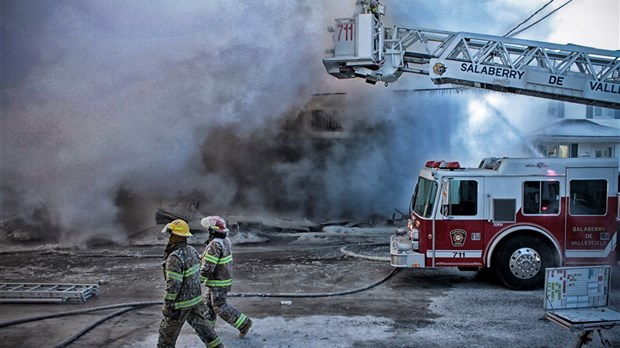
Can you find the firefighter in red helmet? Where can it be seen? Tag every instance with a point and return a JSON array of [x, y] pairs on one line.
[[216, 274]]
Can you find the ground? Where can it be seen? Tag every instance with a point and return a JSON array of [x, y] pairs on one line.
[[412, 308]]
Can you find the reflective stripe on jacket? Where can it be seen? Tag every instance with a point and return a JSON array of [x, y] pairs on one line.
[[216, 269], [182, 267]]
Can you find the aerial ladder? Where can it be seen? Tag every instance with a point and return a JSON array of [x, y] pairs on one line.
[[364, 48]]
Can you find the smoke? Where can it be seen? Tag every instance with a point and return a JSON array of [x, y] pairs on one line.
[[111, 109]]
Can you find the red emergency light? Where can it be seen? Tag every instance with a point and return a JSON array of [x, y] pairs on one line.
[[433, 164]]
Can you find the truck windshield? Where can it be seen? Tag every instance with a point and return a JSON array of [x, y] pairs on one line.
[[424, 197]]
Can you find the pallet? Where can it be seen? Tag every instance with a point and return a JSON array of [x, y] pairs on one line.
[[46, 293]]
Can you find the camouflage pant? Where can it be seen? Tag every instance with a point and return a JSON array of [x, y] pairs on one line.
[[216, 300], [170, 328]]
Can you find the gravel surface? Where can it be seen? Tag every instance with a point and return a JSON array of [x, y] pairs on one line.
[[413, 308]]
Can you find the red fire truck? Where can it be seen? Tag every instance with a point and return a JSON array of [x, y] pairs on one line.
[[516, 216]]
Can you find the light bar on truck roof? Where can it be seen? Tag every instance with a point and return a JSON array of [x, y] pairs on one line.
[[433, 164], [450, 165], [443, 165]]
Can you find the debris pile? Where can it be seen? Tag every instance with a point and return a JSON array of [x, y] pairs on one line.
[[265, 223]]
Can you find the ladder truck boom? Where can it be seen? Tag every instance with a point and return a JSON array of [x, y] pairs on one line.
[[364, 48]]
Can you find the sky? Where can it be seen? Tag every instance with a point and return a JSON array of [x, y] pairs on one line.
[[110, 110]]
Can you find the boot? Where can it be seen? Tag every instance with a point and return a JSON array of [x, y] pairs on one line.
[[245, 328]]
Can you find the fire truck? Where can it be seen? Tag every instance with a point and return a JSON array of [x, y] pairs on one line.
[[515, 216]]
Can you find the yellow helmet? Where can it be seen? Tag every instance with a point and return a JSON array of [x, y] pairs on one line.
[[178, 227]]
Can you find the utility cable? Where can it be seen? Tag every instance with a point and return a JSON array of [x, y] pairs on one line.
[[540, 20], [528, 18]]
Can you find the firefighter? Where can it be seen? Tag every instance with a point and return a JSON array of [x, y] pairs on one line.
[[216, 274], [183, 298]]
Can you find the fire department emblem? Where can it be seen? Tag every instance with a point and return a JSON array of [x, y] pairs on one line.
[[439, 69], [458, 237]]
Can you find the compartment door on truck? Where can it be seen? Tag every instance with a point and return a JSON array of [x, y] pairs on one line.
[[590, 219]]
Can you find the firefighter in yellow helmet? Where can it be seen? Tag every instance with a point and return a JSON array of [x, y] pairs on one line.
[[216, 274], [183, 298]]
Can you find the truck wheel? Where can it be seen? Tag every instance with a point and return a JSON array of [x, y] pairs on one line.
[[520, 263]]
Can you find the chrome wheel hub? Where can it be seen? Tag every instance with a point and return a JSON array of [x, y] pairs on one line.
[[525, 263]]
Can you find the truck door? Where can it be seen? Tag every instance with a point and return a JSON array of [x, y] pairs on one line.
[[590, 226], [459, 224]]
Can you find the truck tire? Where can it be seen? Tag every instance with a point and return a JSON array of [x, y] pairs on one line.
[[520, 262]]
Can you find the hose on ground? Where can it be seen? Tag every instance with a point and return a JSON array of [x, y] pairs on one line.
[[317, 294], [126, 307], [76, 312], [360, 256], [148, 303], [73, 338], [134, 305]]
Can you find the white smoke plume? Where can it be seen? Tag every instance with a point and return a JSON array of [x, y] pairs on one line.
[[111, 108]]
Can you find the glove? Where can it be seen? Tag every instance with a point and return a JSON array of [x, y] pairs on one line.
[[168, 311]]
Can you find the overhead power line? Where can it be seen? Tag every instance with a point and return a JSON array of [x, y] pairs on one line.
[[528, 18], [540, 20]]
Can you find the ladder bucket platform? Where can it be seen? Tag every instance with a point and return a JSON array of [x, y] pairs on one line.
[[51, 293]]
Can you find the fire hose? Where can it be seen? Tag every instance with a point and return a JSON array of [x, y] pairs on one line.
[[135, 305], [126, 307], [73, 338]]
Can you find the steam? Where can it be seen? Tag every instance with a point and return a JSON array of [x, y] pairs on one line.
[[111, 109]]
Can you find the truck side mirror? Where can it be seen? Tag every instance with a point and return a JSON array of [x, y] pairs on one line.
[[445, 192], [445, 196]]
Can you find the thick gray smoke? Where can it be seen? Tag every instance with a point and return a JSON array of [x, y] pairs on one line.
[[111, 109]]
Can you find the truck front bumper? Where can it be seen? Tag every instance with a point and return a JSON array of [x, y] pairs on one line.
[[402, 255]]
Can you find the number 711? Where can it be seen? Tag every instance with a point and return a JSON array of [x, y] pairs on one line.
[[347, 28]]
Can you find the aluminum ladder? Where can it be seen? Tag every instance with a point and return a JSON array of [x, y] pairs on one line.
[[37, 292]]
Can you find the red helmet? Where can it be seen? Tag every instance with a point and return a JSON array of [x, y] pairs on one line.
[[214, 223]]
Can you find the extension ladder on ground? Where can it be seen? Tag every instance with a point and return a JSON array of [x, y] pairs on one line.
[[32, 292]]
